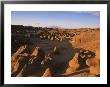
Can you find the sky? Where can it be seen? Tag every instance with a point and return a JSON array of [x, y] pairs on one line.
[[63, 19]]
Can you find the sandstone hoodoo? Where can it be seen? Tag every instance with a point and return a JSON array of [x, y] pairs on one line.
[[37, 56], [48, 64], [73, 64], [19, 58]]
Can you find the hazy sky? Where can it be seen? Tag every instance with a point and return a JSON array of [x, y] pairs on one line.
[[66, 19]]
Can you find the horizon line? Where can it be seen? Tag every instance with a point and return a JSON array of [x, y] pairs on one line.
[[59, 27]]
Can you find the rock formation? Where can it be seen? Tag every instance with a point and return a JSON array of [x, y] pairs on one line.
[[47, 73], [73, 64]]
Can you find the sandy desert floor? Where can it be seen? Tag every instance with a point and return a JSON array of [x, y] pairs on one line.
[[76, 56]]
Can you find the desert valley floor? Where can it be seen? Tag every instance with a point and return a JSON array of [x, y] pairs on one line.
[[56, 53]]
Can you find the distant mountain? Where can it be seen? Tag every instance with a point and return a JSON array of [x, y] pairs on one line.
[[54, 27]]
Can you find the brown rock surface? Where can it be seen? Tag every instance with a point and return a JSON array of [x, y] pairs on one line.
[[47, 73]]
